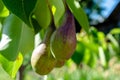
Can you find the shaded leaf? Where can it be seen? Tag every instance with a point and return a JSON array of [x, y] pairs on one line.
[[26, 40], [78, 55], [42, 13], [21, 8], [9, 44]]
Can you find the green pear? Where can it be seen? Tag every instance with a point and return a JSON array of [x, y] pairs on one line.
[[60, 63], [42, 60]]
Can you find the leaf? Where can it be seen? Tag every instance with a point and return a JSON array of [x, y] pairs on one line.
[[11, 67], [1, 5], [42, 13], [102, 56], [9, 44], [79, 14], [78, 55], [21, 8], [87, 56], [113, 40], [0, 29], [93, 59], [26, 40], [115, 31], [17, 39], [57, 9], [3, 10], [36, 26]]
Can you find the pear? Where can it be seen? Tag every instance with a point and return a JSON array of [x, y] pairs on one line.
[[63, 40], [42, 60]]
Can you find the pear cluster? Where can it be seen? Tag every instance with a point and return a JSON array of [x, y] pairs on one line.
[[57, 46]]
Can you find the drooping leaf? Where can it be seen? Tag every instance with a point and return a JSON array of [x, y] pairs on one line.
[[113, 40], [26, 40], [102, 57], [57, 10], [9, 44], [42, 13], [11, 67], [21, 8], [79, 14]]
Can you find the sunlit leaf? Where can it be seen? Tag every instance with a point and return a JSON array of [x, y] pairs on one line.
[[3, 10], [102, 56], [115, 31], [11, 67], [93, 59], [86, 56], [113, 40]]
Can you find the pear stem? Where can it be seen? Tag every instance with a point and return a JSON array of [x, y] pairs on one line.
[[48, 34], [51, 27]]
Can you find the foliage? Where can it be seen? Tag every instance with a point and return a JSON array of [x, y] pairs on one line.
[[97, 47]]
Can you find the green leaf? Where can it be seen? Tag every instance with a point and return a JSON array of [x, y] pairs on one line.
[[26, 40], [42, 13], [78, 55], [1, 5], [113, 40], [9, 44], [11, 67], [87, 56], [3, 10], [0, 30], [115, 31], [58, 10], [36, 26], [102, 56], [79, 14], [17, 39], [93, 59], [21, 8]]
